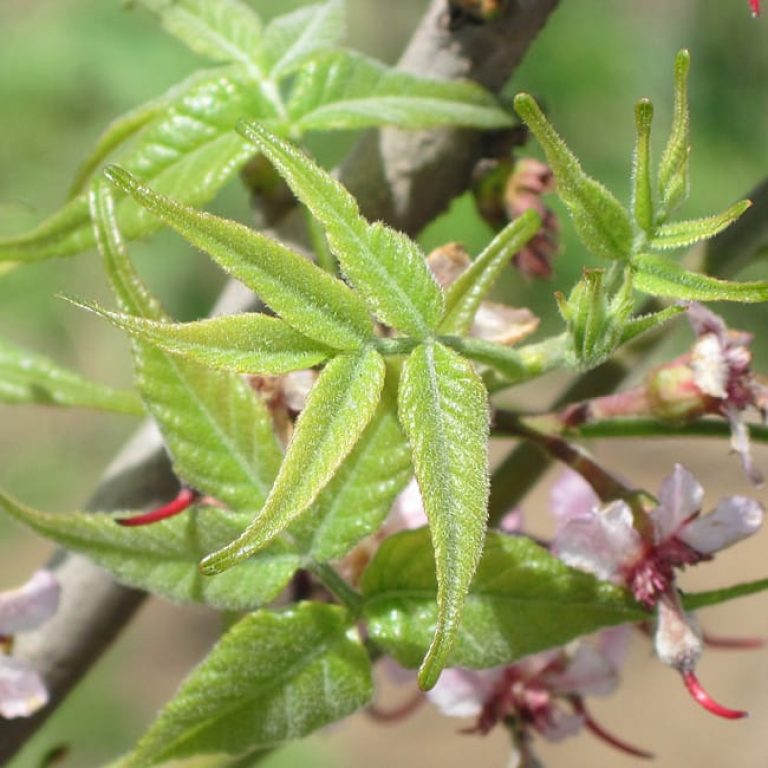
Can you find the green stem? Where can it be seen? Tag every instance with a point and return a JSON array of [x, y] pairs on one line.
[[337, 586]]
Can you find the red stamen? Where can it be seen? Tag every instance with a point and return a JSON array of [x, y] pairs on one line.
[[732, 643], [705, 700], [597, 730], [184, 500], [755, 6], [397, 713]]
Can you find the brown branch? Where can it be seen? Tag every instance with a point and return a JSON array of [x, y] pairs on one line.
[[403, 178]]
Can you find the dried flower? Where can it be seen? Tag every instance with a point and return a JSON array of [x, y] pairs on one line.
[[22, 690]]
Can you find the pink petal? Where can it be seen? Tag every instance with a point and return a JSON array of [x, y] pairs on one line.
[[407, 511], [512, 522], [296, 387], [560, 724], [463, 692], [613, 643], [605, 544], [740, 444], [709, 366], [22, 691], [680, 497], [704, 320], [589, 673], [572, 497], [30, 605], [734, 519]]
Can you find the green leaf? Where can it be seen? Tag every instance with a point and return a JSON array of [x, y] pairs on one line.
[[693, 602], [659, 276], [599, 218], [683, 233], [222, 30], [290, 40], [465, 294], [444, 412], [515, 365], [345, 90], [387, 268], [216, 428], [187, 152], [305, 296], [338, 409], [522, 600], [642, 197], [248, 343], [642, 323], [673, 169], [354, 504], [26, 377], [273, 677], [163, 558]]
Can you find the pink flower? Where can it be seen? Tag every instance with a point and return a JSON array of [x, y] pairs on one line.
[[22, 690], [542, 693], [755, 6]]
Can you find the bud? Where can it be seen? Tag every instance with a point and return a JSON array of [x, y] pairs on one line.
[[673, 395]]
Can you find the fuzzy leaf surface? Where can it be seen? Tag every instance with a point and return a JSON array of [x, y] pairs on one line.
[[163, 558], [247, 343], [188, 152], [465, 295], [444, 413], [522, 600], [600, 220], [26, 377], [659, 276], [217, 430], [305, 296], [272, 678], [339, 408], [345, 90], [290, 40], [680, 234], [222, 30], [387, 268], [355, 503]]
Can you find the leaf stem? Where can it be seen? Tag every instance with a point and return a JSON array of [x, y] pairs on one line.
[[338, 586]]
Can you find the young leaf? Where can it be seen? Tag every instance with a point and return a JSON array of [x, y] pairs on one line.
[[642, 198], [599, 218], [248, 343], [444, 412], [354, 504], [642, 323], [693, 602], [683, 233], [338, 409], [272, 678], [659, 276], [187, 152], [522, 600], [290, 40], [387, 268], [308, 298], [217, 430], [342, 90], [222, 30], [465, 294], [30, 378], [673, 169], [163, 558]]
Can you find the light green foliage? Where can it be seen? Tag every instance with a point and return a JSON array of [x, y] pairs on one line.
[[674, 179], [26, 377], [522, 600], [163, 558], [242, 343], [601, 221], [311, 300], [272, 678], [354, 504], [683, 233], [338, 409], [444, 412], [184, 142], [341, 90], [387, 268], [463, 298], [217, 430], [642, 195]]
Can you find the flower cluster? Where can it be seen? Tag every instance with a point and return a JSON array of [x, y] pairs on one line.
[[22, 690]]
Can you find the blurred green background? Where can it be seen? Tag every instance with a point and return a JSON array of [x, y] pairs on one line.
[[68, 66]]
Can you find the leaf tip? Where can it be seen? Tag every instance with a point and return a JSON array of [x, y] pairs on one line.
[[644, 113], [524, 104], [120, 178]]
